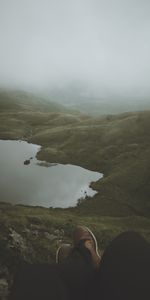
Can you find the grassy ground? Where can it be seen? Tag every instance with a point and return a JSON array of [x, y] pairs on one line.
[[117, 146]]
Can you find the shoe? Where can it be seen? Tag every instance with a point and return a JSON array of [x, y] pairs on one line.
[[62, 252], [82, 233]]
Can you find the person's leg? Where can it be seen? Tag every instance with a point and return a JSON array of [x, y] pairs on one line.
[[82, 263], [124, 271], [77, 271], [39, 282], [63, 281]]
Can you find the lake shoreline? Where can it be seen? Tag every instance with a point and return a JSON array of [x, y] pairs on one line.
[[79, 191]]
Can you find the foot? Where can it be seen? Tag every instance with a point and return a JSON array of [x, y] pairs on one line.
[[62, 252], [82, 233]]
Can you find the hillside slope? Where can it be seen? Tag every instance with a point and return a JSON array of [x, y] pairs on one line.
[[117, 146], [23, 101]]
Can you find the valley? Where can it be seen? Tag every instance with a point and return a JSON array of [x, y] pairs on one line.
[[116, 145]]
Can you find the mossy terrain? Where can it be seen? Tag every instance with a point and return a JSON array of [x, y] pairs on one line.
[[118, 146]]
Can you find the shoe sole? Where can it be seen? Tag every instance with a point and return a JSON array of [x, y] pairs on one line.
[[94, 239], [57, 253]]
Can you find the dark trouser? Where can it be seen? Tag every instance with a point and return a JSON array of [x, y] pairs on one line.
[[124, 273], [65, 281]]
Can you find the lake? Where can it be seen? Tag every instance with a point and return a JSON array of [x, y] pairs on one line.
[[25, 180]]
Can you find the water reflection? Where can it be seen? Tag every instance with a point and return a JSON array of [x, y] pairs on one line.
[[40, 183]]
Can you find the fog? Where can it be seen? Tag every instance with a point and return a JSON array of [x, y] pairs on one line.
[[102, 44]]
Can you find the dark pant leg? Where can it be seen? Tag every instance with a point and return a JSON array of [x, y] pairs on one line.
[[64, 281], [124, 272], [39, 282], [77, 272]]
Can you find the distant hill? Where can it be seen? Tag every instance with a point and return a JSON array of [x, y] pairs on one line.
[[22, 112], [116, 145], [97, 107], [81, 98], [18, 100]]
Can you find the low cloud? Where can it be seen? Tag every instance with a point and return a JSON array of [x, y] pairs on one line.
[[52, 43]]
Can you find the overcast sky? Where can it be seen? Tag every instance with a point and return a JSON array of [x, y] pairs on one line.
[[106, 43]]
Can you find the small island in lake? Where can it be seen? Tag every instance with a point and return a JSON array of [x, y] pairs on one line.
[[27, 162]]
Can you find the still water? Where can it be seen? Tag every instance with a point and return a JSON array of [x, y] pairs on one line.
[[25, 180]]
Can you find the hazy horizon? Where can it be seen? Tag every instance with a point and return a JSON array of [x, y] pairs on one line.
[[101, 46]]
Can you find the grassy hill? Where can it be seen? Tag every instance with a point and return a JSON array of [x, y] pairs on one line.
[[17, 109], [118, 146], [80, 97], [23, 101], [111, 105]]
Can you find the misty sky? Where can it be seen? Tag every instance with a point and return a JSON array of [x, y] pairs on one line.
[[47, 43]]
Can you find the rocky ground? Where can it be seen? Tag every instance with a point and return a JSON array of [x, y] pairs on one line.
[[20, 247], [33, 234]]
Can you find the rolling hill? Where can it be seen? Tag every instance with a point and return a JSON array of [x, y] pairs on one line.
[[116, 145]]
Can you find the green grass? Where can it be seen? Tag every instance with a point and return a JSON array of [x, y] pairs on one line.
[[117, 146]]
